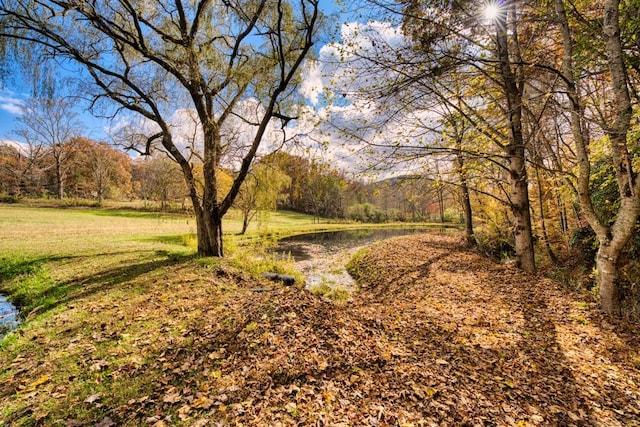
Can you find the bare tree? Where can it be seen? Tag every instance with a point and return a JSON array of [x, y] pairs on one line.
[[48, 127]]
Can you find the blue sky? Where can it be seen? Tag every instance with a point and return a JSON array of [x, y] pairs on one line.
[[9, 109], [12, 94]]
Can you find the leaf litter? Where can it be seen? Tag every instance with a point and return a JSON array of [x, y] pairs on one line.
[[435, 336]]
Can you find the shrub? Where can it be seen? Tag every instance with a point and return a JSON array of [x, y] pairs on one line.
[[495, 243]]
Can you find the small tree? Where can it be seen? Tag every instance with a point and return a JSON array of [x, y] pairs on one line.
[[48, 127], [259, 192]]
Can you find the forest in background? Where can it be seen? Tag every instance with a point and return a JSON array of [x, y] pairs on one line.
[[94, 171]]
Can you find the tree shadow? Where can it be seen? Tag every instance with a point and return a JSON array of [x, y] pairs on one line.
[[101, 281], [526, 377]]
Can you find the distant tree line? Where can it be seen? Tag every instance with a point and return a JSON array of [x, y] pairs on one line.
[[98, 171], [317, 189]]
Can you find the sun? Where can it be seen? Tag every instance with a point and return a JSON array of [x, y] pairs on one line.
[[491, 11]]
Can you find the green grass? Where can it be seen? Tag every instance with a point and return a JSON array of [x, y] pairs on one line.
[[335, 293], [48, 254]]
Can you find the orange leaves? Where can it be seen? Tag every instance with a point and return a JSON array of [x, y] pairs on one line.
[[464, 342]]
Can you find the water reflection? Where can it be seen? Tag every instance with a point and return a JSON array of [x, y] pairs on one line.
[[8, 316], [321, 257]]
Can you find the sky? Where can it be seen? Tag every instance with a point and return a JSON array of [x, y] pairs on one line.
[[10, 108], [336, 70], [13, 95]]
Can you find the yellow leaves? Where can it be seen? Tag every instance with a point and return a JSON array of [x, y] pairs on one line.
[[35, 384], [202, 402], [323, 365], [292, 409], [184, 412], [251, 327], [509, 383], [423, 392]]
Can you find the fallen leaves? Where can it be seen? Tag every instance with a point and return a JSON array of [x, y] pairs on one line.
[[35, 384], [440, 337]]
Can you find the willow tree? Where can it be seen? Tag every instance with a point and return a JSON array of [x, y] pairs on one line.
[[152, 58]]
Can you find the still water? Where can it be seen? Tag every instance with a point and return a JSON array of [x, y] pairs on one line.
[[321, 257], [9, 316]]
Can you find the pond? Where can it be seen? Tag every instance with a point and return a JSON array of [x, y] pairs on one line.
[[9, 316], [321, 257]]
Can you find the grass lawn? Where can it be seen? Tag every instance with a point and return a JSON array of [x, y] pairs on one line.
[[115, 302]]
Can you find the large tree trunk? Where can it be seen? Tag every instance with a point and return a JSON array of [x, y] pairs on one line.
[[515, 150], [520, 209], [608, 279], [209, 231]]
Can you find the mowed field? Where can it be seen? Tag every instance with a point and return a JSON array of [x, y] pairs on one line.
[[31, 231], [97, 287]]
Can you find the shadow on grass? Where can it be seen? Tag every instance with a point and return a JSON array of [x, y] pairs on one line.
[[37, 292], [139, 214], [170, 239], [108, 279], [11, 268]]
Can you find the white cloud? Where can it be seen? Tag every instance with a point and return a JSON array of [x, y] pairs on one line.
[[237, 133], [10, 103], [22, 147], [355, 121], [311, 86]]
